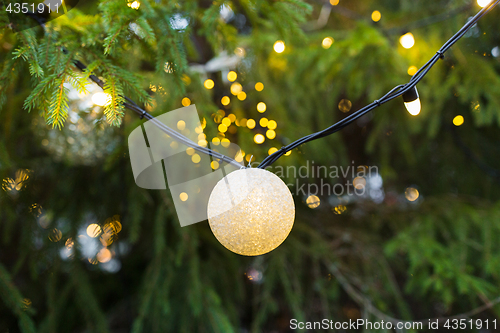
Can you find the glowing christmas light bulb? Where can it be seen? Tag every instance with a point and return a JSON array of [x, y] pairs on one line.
[[412, 101], [101, 99], [251, 211], [483, 3], [279, 46], [407, 40]]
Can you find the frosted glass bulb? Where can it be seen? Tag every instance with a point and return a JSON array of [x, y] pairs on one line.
[[251, 211], [407, 40], [413, 107]]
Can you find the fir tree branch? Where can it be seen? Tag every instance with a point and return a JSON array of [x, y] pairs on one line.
[[367, 304], [57, 112]]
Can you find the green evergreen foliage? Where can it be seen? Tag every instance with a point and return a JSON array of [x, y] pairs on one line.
[[64, 165]]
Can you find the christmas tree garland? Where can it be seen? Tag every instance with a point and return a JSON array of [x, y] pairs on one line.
[[408, 91]]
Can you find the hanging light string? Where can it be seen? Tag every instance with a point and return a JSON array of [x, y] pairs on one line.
[[131, 105], [392, 94]]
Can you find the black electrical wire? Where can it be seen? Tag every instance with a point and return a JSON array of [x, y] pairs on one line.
[[130, 104], [392, 94]]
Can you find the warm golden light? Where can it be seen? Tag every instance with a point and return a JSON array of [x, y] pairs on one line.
[[327, 42], [55, 235], [26, 303], [279, 46], [271, 124], [458, 120], [8, 184], [359, 183], [190, 151], [209, 84], [345, 105], [483, 3], [239, 156], [94, 230], [232, 76], [101, 99], [272, 150], [411, 194], [222, 128], [251, 211], [259, 139], [407, 40], [69, 243], [376, 16], [108, 236], [261, 107], [232, 117], [183, 196], [214, 165], [413, 107], [226, 121], [263, 122], [181, 125], [225, 100], [242, 96], [251, 123], [339, 209], [134, 5], [239, 51], [270, 134], [168, 68], [412, 70], [104, 255], [36, 209], [186, 79], [236, 88], [334, 2], [17, 184], [196, 158], [259, 86], [313, 201], [225, 142], [186, 101], [216, 141]]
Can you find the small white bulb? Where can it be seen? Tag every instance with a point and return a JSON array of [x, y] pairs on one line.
[[413, 107], [101, 99], [251, 211], [407, 40]]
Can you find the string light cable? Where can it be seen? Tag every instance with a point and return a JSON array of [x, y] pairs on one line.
[[408, 91], [131, 105]]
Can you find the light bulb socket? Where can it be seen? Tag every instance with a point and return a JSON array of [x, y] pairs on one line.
[[411, 95]]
